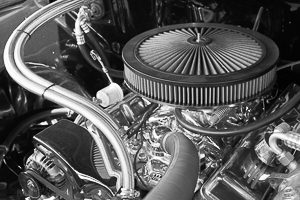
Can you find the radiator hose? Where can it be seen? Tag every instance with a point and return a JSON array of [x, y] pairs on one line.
[[180, 179]]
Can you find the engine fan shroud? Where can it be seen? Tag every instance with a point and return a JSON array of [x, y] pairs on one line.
[[200, 65]]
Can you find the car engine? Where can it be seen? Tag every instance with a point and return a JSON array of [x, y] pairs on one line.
[[157, 100]]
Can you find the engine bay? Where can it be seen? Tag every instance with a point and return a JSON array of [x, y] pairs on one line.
[[160, 99]]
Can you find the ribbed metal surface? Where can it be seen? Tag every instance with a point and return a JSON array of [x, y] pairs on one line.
[[200, 51], [200, 65], [199, 96], [99, 163], [293, 145]]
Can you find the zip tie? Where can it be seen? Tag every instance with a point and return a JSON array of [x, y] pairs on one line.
[[29, 35], [47, 88]]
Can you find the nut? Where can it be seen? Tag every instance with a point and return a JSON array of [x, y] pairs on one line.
[[285, 158]]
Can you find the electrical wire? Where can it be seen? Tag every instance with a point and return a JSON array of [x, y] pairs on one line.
[[98, 48], [113, 72], [96, 32], [85, 53], [134, 128], [82, 27], [135, 161], [33, 118], [288, 65]]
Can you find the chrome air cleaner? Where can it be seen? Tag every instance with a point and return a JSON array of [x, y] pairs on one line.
[[200, 64]]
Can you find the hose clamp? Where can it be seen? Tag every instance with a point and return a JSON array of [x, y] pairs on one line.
[[163, 141], [80, 39], [85, 27]]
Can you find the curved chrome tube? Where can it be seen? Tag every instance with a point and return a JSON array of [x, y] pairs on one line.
[[17, 69], [291, 139]]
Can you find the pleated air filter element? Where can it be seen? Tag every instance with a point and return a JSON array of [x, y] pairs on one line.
[[200, 64]]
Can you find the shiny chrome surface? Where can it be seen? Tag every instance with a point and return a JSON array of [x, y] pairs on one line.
[[22, 75]]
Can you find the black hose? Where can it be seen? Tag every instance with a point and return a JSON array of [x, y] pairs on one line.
[[181, 177], [86, 55], [29, 120], [33, 118], [98, 48], [239, 130], [111, 71]]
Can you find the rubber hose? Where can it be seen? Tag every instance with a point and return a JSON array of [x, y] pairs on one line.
[[86, 55], [95, 43], [111, 71], [180, 179], [29, 120], [33, 118], [239, 130]]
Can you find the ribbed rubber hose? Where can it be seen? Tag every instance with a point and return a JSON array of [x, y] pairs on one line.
[[180, 179]]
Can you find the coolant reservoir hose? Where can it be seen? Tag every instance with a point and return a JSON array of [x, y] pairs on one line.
[[180, 179]]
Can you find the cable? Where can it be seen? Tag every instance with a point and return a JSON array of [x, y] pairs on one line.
[[98, 48], [113, 72], [135, 161], [28, 120], [258, 18], [86, 55], [134, 128], [239, 130], [73, 15], [11, 169], [288, 65], [33, 118], [81, 27]]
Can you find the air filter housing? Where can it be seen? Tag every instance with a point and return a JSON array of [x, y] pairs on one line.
[[200, 64]]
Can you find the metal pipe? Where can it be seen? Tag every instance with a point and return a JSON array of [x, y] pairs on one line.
[[290, 139], [13, 59], [278, 133], [282, 132], [273, 142]]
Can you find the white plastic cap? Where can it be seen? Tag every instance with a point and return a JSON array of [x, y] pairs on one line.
[[110, 95]]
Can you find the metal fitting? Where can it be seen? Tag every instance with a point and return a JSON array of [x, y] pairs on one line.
[[85, 27], [80, 39], [282, 128], [129, 194], [292, 166], [285, 158]]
